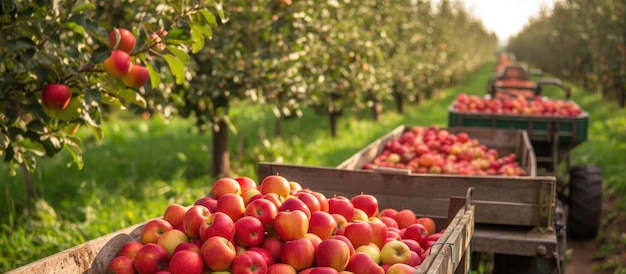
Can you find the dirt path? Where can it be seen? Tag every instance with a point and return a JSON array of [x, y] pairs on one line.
[[582, 256]]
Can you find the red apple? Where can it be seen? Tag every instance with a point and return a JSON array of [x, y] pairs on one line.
[[281, 268], [359, 215], [413, 245], [208, 202], [291, 225], [122, 265], [225, 185], [428, 223], [359, 233], [151, 258], [249, 262], [418, 233], [367, 203], [273, 246], [388, 212], [193, 218], [388, 221], [117, 64], [274, 198], [299, 253], [56, 96], [267, 256], [136, 77], [250, 195], [249, 232], [370, 249], [345, 240], [122, 39], [416, 259], [262, 209], [186, 262], [217, 224], [379, 233], [405, 217], [332, 253], [246, 183], [322, 224], [342, 206], [310, 201], [316, 240], [218, 253], [195, 247], [174, 214], [363, 264], [129, 249], [232, 205], [292, 204], [400, 268], [323, 201], [275, 184], [395, 251], [154, 229]]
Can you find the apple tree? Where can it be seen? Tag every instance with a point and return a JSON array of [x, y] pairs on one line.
[[62, 62]]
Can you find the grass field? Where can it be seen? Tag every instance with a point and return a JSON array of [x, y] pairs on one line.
[[144, 165]]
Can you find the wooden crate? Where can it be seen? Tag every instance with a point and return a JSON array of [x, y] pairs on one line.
[[502, 140]]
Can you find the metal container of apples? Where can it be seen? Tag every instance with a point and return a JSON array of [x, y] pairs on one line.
[[513, 214]]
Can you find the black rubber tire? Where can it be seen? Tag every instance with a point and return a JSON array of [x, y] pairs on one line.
[[584, 202]]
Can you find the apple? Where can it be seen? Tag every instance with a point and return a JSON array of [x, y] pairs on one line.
[[310, 201], [232, 205], [341, 222], [404, 218], [299, 253], [359, 233], [186, 262], [294, 187], [274, 198], [416, 259], [323, 201], [366, 202], [379, 233], [225, 185], [122, 39], [130, 249], [428, 223], [316, 240], [395, 251], [400, 268], [56, 96], [151, 258], [387, 212], [413, 245], [218, 253], [273, 246], [322, 224], [174, 214], [195, 247], [388, 221], [332, 253], [345, 240], [262, 209], [249, 262], [246, 183], [249, 232], [136, 77], [275, 184], [418, 233], [267, 256], [208, 202], [171, 239], [217, 224], [363, 264], [122, 265], [292, 204], [342, 206], [359, 215], [291, 225], [250, 195], [193, 218], [154, 229], [281, 268], [117, 64], [370, 249]]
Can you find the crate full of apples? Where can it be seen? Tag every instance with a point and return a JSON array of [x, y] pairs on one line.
[[275, 227], [434, 150]]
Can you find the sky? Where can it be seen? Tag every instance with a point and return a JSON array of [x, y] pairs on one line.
[[506, 17]]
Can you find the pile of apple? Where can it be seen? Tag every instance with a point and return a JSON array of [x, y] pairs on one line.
[[437, 151], [519, 105], [278, 227]]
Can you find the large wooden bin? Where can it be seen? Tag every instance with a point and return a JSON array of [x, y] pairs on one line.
[[451, 253]]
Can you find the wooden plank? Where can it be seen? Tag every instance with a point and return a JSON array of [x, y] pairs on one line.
[[91, 257], [498, 200], [514, 240]]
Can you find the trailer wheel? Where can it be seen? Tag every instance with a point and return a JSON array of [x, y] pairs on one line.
[[585, 202]]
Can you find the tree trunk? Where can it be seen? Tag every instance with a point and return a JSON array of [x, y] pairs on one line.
[[377, 108], [220, 166], [333, 115], [32, 195], [399, 102]]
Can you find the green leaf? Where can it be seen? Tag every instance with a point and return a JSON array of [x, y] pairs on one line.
[[111, 101], [155, 77], [208, 17], [180, 54], [176, 67], [74, 145], [21, 43], [100, 54], [83, 6], [91, 96], [98, 133], [177, 5], [4, 141], [131, 96], [197, 38]]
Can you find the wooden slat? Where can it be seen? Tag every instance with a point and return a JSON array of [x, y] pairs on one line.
[[513, 240]]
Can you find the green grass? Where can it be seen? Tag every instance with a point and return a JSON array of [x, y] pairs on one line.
[[144, 165]]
